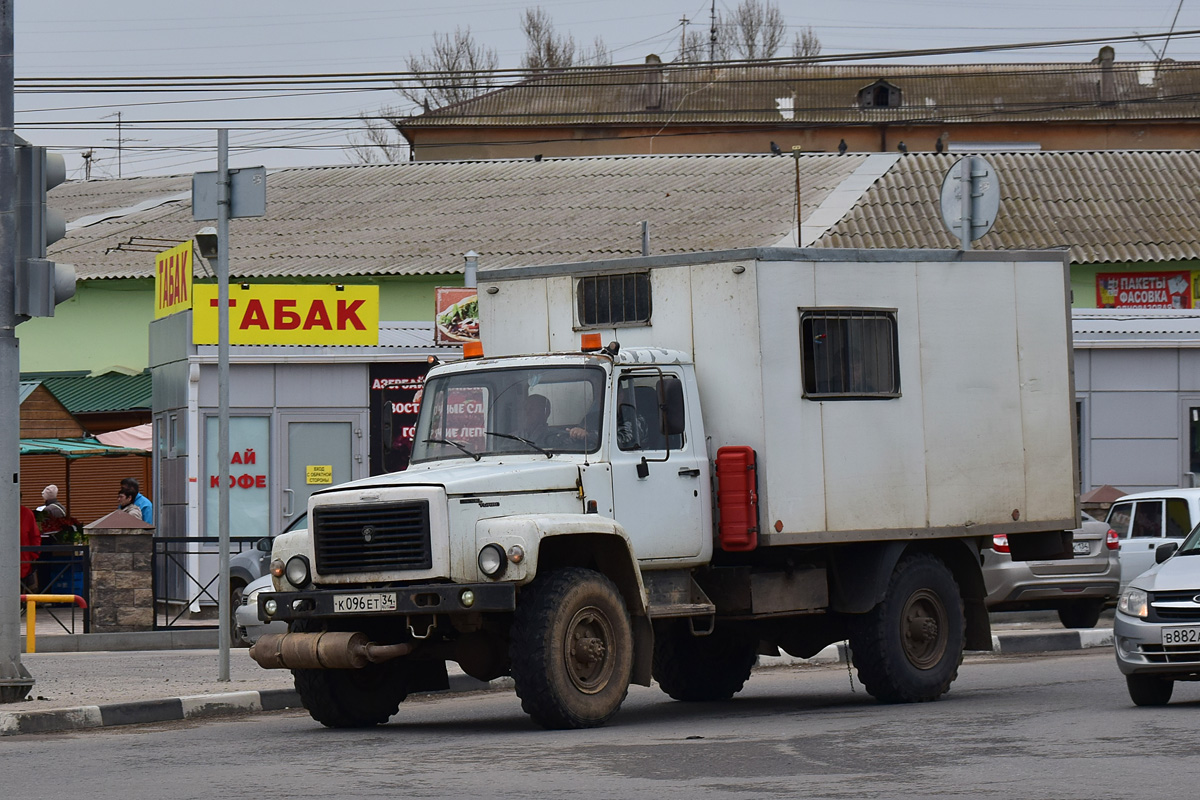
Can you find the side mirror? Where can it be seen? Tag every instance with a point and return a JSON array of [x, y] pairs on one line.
[[671, 392], [263, 544], [1165, 551]]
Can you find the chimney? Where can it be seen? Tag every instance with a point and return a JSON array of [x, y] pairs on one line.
[[1108, 91], [654, 82]]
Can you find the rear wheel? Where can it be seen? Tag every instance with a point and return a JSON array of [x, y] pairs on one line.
[[702, 668], [571, 649], [908, 647], [1149, 690], [1081, 613]]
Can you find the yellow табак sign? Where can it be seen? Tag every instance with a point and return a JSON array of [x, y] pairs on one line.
[[173, 280], [284, 314]]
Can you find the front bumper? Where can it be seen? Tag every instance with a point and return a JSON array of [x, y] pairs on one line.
[[437, 598], [1140, 651]]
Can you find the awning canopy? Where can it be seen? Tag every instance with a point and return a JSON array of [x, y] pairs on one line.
[[75, 448]]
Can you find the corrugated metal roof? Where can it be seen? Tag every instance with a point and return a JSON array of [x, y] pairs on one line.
[[75, 448], [774, 94], [1104, 207], [1102, 328], [27, 388], [419, 218], [112, 391]]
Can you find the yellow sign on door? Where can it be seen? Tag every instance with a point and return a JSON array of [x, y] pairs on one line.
[[318, 473]]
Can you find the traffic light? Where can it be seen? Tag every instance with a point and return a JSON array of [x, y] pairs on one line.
[[40, 284]]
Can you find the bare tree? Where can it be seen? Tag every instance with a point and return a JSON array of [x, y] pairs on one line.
[[806, 44], [377, 142], [457, 69], [756, 29], [598, 55], [547, 50], [695, 48]]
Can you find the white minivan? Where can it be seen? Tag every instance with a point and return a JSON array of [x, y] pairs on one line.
[[1145, 520]]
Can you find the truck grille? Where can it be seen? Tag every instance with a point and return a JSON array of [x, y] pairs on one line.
[[372, 538]]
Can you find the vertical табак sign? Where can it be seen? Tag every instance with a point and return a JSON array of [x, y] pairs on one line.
[[173, 280]]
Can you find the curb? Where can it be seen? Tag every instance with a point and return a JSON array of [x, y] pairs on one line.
[[174, 709]]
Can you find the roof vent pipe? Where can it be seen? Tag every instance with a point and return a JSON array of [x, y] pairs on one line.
[[470, 268]]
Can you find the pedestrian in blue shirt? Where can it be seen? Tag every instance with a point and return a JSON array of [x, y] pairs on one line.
[[140, 500]]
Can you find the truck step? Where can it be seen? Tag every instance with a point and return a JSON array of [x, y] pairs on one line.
[[670, 610]]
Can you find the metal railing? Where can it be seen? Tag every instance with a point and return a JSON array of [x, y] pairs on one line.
[[185, 574], [64, 569]]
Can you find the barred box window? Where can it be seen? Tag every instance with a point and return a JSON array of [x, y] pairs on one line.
[[610, 300], [850, 353]]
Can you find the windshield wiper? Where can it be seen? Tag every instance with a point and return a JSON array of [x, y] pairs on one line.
[[459, 445], [516, 438]]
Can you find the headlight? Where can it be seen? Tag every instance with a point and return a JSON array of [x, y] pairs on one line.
[[1134, 602], [297, 571], [492, 560]]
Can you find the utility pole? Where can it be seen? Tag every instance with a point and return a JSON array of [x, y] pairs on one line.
[[712, 34], [15, 680], [683, 21]]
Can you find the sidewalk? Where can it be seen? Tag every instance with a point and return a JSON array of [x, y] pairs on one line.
[[96, 680]]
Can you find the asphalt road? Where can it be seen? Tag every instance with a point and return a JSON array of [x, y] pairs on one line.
[[1012, 727]]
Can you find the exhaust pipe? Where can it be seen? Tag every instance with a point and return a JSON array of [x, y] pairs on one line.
[[325, 650]]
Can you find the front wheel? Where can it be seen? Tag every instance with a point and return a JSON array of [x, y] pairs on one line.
[[1149, 690], [908, 647], [235, 602], [571, 649], [351, 698]]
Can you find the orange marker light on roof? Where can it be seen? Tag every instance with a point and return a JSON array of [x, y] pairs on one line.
[[473, 349], [590, 342]]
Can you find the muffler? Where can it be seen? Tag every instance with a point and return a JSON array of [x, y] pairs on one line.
[[325, 650]]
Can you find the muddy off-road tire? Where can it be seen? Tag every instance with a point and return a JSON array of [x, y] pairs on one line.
[[351, 698], [702, 668], [1149, 690], [571, 649], [907, 649]]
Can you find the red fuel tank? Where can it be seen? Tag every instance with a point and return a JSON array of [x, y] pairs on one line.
[[737, 498]]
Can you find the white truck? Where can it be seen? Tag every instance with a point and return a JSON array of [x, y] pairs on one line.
[[664, 467]]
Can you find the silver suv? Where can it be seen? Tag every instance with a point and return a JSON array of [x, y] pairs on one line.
[[1078, 588], [1156, 631]]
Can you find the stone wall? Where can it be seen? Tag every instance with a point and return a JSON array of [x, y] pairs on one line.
[[122, 596]]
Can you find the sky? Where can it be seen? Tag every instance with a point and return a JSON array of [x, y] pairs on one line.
[[156, 132]]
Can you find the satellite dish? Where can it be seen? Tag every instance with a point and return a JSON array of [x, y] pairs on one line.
[[970, 199]]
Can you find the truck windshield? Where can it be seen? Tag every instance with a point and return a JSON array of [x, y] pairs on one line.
[[536, 410]]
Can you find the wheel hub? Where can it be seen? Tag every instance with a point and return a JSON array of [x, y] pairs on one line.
[[923, 626], [587, 649]]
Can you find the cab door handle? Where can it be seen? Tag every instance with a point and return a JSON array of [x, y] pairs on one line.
[[691, 472]]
